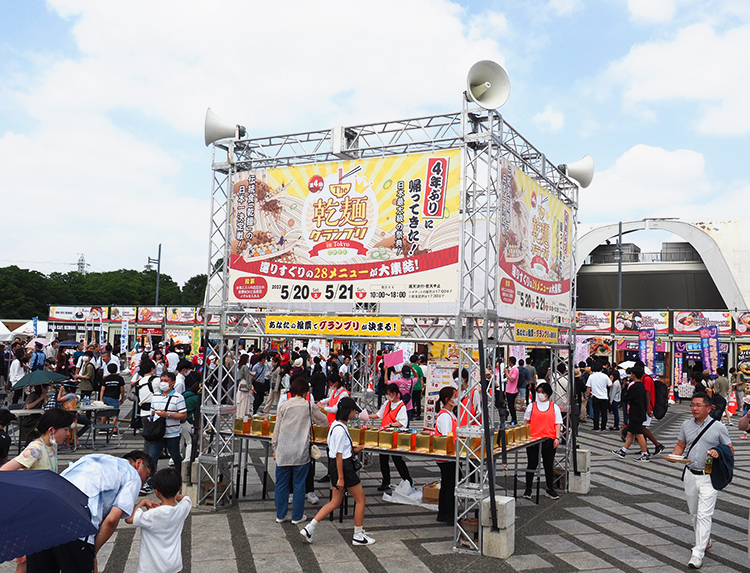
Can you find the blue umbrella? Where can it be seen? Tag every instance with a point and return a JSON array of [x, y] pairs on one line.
[[40, 510], [68, 344]]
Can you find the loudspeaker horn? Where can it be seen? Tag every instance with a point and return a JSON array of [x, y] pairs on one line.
[[216, 128], [487, 84], [582, 170]]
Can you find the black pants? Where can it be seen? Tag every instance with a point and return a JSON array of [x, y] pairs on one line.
[[260, 393], [310, 481], [447, 495], [72, 557], [512, 405], [600, 409], [416, 399], [398, 461], [548, 462]]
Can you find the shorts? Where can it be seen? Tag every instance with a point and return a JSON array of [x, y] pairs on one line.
[[350, 476], [647, 423], [635, 427]]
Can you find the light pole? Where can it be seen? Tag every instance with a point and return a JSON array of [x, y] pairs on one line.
[[157, 262]]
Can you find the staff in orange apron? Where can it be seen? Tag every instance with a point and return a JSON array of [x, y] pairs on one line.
[[545, 421], [392, 415], [445, 424], [336, 392]]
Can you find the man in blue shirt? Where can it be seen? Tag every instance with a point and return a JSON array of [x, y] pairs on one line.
[[112, 486], [37, 359]]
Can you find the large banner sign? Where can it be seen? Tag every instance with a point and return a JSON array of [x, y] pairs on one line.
[[535, 246], [371, 230], [367, 326], [632, 321], [181, 315], [693, 320]]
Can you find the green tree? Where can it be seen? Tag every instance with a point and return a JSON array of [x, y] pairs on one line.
[[194, 290]]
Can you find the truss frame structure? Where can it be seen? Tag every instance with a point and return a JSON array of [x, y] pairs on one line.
[[485, 140]]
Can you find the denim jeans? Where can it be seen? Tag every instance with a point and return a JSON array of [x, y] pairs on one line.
[[173, 447], [616, 413], [111, 402], [297, 475]]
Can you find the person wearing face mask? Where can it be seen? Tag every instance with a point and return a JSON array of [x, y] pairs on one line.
[[545, 421], [41, 451], [87, 374], [170, 405], [392, 415], [445, 425]]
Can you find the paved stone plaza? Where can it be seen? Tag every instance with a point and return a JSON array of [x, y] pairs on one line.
[[634, 519]]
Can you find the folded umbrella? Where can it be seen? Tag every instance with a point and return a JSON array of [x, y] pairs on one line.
[[40, 510], [38, 377]]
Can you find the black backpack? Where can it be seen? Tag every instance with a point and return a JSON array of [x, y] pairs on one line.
[[661, 399]]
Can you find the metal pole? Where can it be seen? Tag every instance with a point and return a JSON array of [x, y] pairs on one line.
[[158, 272], [619, 268]]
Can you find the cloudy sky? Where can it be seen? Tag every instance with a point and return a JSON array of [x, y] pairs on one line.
[[102, 104]]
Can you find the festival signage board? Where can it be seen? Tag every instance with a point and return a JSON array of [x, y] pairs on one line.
[[321, 326], [324, 236], [647, 346], [743, 359], [710, 347], [151, 314], [213, 319], [78, 313], [594, 321], [179, 335], [692, 350], [631, 321], [181, 315], [622, 344], [535, 334], [536, 232], [691, 321], [122, 313]]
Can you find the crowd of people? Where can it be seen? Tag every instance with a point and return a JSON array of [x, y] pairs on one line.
[[304, 391]]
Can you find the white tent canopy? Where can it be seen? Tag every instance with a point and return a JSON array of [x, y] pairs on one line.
[[4, 333], [28, 329]]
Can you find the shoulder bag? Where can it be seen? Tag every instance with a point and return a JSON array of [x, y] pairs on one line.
[[153, 431], [695, 441], [315, 452]]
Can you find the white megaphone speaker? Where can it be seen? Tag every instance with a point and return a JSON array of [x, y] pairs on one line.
[[582, 171], [216, 128], [487, 84]]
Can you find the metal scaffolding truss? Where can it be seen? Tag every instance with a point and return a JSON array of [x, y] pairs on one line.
[[485, 140]]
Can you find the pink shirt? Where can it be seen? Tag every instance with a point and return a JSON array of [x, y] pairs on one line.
[[512, 385], [404, 385]]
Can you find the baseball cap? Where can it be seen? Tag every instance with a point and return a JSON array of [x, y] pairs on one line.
[[347, 403]]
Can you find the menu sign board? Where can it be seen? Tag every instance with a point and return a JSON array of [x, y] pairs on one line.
[[693, 320], [631, 321]]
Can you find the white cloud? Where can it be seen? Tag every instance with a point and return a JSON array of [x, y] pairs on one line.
[[565, 7], [550, 119], [699, 64], [647, 182], [651, 10], [87, 182]]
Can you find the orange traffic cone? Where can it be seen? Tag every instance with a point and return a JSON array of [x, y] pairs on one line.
[[370, 387], [732, 407], [671, 395]]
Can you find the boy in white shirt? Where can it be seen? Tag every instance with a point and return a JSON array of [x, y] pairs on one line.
[[161, 526]]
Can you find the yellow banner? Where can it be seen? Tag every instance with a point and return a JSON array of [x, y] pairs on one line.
[[535, 334], [195, 346], [319, 326]]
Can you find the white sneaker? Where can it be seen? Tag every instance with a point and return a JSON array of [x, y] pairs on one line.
[[362, 539], [695, 562], [300, 520], [312, 498], [287, 517], [304, 532]]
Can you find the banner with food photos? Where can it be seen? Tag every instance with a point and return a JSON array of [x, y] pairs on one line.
[[314, 236], [690, 321], [536, 232]]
